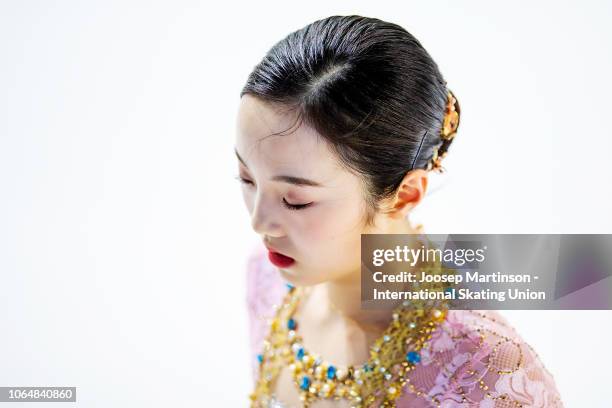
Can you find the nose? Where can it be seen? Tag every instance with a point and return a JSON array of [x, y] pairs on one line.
[[263, 219]]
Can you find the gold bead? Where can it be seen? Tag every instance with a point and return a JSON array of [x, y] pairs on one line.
[[274, 324], [438, 315], [308, 360], [327, 389], [392, 392], [297, 367]]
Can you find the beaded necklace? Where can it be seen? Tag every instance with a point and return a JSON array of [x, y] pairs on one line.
[[376, 383]]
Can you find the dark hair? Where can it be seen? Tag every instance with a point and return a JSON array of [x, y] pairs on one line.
[[368, 87]]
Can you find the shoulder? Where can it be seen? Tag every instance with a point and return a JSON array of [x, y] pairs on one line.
[[477, 359], [264, 290], [264, 285]]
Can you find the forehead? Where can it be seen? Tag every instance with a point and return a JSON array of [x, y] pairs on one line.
[[269, 138]]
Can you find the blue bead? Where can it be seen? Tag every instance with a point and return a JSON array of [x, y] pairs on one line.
[[289, 286], [291, 324], [305, 383], [300, 353], [260, 358], [413, 357], [367, 368], [331, 372]]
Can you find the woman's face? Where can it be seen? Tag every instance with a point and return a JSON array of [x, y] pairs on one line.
[[324, 236]]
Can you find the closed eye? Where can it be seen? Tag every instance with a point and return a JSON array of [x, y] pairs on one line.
[[295, 206], [287, 204], [243, 180]]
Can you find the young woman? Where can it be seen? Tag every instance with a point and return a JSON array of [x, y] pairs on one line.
[[338, 127]]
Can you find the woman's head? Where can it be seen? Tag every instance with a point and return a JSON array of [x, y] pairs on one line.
[[355, 104]]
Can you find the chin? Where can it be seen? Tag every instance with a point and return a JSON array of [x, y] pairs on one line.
[[295, 278]]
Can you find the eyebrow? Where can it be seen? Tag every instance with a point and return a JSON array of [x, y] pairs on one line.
[[297, 181]]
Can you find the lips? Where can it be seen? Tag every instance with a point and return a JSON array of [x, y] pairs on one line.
[[278, 259]]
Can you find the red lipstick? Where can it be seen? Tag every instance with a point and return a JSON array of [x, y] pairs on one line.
[[280, 260]]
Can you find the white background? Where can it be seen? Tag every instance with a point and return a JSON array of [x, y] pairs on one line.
[[123, 234]]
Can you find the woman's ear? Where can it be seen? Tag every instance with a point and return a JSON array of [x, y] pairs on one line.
[[409, 194]]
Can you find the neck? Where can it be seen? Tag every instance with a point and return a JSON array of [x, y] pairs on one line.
[[343, 295]]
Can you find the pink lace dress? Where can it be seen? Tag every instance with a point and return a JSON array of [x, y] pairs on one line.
[[475, 359]]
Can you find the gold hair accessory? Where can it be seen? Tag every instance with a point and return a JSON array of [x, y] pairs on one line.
[[450, 124]]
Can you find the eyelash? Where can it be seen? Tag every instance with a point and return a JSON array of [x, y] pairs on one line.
[[294, 207]]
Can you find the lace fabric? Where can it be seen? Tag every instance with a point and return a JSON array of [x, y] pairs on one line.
[[474, 359]]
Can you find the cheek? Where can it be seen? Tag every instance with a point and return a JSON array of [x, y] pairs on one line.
[[331, 228], [247, 198]]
